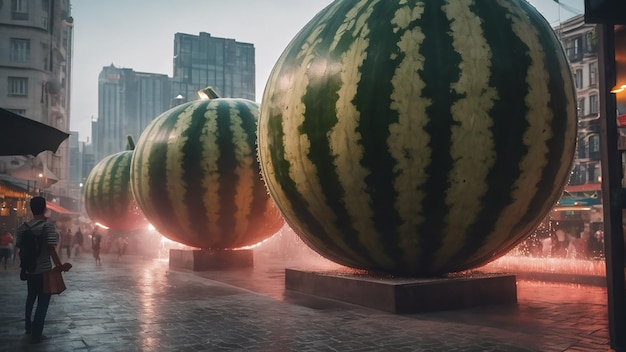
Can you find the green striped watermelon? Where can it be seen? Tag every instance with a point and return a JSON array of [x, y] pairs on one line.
[[418, 137], [108, 197], [196, 177]]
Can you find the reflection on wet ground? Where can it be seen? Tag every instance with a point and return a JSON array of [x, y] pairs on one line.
[[139, 304]]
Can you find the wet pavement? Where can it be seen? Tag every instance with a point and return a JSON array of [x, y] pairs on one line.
[[140, 304]]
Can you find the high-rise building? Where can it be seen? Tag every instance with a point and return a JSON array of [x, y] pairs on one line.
[[202, 60], [35, 75], [127, 102]]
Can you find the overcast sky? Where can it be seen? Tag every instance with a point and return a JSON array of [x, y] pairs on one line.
[[139, 34]]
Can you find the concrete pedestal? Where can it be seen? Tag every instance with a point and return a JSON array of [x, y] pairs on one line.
[[406, 295], [202, 260]]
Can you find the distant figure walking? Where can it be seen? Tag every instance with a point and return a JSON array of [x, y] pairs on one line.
[[78, 242], [96, 240], [66, 243], [6, 246], [122, 244]]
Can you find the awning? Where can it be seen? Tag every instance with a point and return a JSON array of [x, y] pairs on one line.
[[587, 187], [35, 171], [13, 186], [572, 208], [57, 208], [23, 136], [579, 201]]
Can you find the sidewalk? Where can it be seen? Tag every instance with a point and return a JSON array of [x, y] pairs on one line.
[[139, 304]]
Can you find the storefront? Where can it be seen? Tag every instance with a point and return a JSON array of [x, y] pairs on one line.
[[13, 202]]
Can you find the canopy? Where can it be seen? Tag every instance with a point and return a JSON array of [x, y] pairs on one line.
[[20, 135], [57, 208], [35, 171]]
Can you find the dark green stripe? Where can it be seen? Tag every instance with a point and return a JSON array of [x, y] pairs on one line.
[[140, 188], [105, 189], [115, 166], [257, 223], [319, 121], [120, 163], [192, 174], [228, 179], [157, 188], [539, 206], [314, 234], [376, 116], [320, 240], [441, 69], [509, 123]]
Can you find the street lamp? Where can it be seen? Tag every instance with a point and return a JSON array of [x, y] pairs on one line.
[[179, 99]]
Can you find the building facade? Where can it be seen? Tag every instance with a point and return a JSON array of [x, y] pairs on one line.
[[579, 212], [127, 102], [202, 60], [581, 47], [35, 76]]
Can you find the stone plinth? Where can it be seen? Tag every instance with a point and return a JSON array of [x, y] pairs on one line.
[[406, 295], [202, 260]]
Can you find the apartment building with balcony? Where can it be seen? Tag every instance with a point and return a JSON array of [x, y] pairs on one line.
[[581, 47], [35, 76], [579, 211]]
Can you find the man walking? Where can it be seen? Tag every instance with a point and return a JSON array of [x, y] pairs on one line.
[[39, 226]]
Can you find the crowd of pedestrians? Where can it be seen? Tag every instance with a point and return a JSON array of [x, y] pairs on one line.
[[70, 244]]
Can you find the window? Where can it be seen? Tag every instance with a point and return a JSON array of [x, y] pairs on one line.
[[574, 49], [594, 143], [20, 50], [582, 147], [581, 107], [579, 79], [19, 9], [593, 73], [18, 86], [594, 147], [45, 17], [593, 104], [578, 175], [592, 41]]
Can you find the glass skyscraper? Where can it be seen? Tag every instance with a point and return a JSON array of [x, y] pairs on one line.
[[224, 64]]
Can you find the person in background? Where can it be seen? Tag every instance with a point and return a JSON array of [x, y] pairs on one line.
[[6, 246], [96, 241], [559, 249], [121, 243], [77, 242], [66, 243]]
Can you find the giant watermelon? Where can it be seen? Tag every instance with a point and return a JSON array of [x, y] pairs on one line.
[[196, 177], [108, 197], [418, 137]]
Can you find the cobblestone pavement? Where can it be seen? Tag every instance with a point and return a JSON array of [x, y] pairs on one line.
[[138, 304]]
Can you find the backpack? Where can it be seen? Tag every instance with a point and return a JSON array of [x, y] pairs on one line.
[[30, 249]]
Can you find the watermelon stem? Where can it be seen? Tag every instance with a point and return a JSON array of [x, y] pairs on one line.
[[131, 142], [208, 93]]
